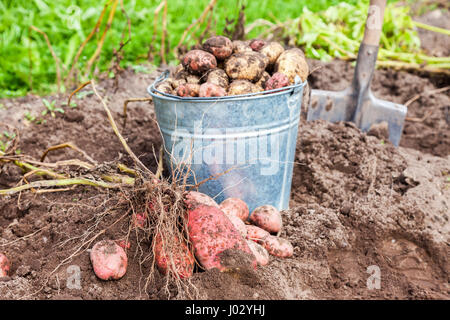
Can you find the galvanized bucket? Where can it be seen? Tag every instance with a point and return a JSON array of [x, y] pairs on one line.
[[242, 146]]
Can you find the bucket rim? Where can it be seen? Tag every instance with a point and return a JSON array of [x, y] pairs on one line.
[[257, 95]]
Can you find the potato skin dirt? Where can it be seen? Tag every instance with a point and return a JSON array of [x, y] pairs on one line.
[[211, 233], [267, 217], [180, 254], [199, 61], [109, 260]]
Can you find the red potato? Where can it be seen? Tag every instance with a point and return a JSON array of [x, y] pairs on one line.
[[139, 220], [181, 256], [256, 234], [278, 80], [278, 247], [198, 61], [266, 217], [194, 198], [257, 44], [221, 47], [124, 244], [238, 224], [211, 233], [109, 260], [235, 207], [4, 266], [188, 90], [211, 90], [260, 253]]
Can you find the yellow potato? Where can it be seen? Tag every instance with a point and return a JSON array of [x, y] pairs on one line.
[[246, 66], [238, 87], [272, 50], [291, 63]]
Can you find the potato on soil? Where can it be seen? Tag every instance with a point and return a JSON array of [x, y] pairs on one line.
[[211, 90], [246, 66], [238, 224], [198, 61], [260, 253], [266, 217], [242, 87], [278, 80], [221, 47], [218, 77], [240, 46], [235, 207], [272, 50], [109, 260], [257, 44], [4, 266], [179, 260], [195, 198], [211, 233], [291, 63], [278, 247], [262, 81], [139, 220], [256, 234], [188, 90]]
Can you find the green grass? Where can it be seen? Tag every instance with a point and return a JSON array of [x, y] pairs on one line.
[[328, 29], [67, 23]]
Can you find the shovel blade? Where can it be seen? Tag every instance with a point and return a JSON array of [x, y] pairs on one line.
[[374, 111], [344, 106], [333, 106]]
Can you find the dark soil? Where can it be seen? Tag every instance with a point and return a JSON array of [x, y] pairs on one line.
[[358, 204]]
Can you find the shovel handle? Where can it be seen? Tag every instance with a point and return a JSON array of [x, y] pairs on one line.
[[374, 22]]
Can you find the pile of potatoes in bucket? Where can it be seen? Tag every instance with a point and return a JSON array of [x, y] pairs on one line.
[[221, 67], [212, 229]]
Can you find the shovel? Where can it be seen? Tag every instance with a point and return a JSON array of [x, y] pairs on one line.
[[357, 103]]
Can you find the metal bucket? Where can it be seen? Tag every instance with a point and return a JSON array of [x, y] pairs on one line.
[[243, 146]]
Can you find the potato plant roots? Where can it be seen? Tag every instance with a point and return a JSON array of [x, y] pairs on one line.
[[130, 192]]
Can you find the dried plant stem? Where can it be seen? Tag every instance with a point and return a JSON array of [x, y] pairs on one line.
[[117, 132], [67, 145], [155, 28], [76, 90], [429, 92], [102, 39], [80, 50], [59, 183], [199, 21], [55, 57], [164, 34], [432, 28], [125, 104], [398, 65]]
